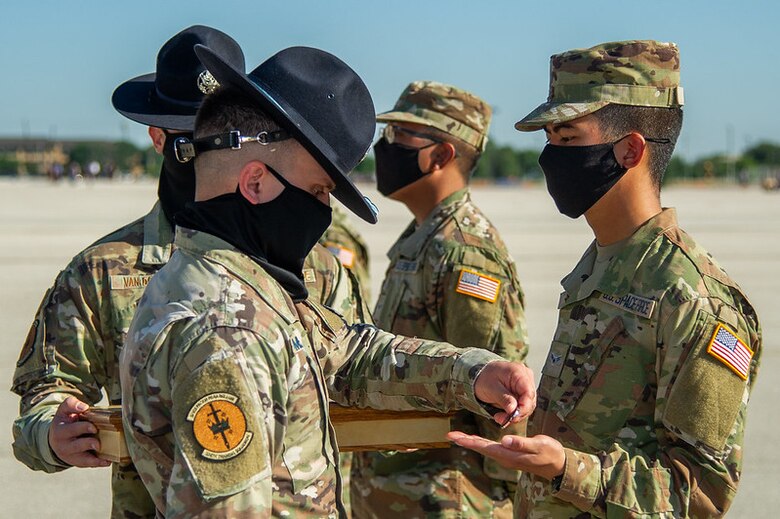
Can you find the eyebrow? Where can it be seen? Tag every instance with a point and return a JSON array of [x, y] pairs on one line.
[[558, 127]]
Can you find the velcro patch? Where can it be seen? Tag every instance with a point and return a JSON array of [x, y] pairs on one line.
[[219, 426], [309, 276], [125, 282], [631, 303], [345, 256], [731, 351], [474, 284], [405, 266]]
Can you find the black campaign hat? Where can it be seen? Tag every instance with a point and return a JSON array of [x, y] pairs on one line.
[[170, 97], [320, 100]]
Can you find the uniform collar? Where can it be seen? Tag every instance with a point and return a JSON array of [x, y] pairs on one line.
[[158, 237], [415, 237], [620, 273], [199, 243]]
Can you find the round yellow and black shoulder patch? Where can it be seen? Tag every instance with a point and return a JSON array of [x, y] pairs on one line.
[[219, 426]]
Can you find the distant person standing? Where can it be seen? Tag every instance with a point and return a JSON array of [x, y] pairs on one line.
[[643, 397], [450, 278]]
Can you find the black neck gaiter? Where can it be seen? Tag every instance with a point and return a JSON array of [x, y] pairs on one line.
[[278, 234], [177, 181]]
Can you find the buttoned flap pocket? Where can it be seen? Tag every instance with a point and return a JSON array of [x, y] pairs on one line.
[[305, 453], [611, 376]]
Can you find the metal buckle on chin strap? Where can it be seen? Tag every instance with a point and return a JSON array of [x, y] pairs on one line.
[[184, 149]]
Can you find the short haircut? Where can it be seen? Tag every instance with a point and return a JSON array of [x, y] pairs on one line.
[[230, 109], [466, 155], [616, 121]]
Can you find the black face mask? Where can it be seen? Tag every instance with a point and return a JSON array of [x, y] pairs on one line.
[[396, 166], [578, 176], [278, 234], [177, 180]]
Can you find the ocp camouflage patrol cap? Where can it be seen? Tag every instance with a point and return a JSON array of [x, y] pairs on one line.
[[635, 72], [444, 107]]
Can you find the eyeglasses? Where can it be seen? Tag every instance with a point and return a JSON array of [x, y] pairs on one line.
[[391, 133]]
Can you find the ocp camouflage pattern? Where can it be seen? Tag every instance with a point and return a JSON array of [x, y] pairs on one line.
[[74, 344], [652, 424], [444, 107], [635, 72], [419, 299], [213, 324]]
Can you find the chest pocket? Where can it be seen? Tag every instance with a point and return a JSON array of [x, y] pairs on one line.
[[305, 454], [601, 384]]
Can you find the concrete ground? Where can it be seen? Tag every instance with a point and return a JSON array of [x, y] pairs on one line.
[[43, 225]]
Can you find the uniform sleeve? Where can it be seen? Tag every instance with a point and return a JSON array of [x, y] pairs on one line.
[[222, 397], [385, 371], [65, 344], [699, 419]]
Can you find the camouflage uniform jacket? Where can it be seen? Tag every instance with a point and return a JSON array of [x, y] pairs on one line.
[[226, 383], [650, 416], [343, 240], [74, 343], [429, 292]]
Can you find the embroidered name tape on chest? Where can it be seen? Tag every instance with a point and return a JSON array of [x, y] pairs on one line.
[[631, 303], [474, 284], [406, 266], [123, 282]]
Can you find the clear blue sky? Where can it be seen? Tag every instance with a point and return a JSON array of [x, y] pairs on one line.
[[62, 60]]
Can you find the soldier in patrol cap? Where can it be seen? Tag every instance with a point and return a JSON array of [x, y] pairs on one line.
[[450, 278], [643, 397], [72, 351], [346, 243], [228, 365]]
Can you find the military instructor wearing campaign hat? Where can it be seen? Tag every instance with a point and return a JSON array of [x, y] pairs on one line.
[[643, 396]]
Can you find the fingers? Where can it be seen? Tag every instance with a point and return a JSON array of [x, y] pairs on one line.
[[71, 438]]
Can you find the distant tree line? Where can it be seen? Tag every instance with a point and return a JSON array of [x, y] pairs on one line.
[[498, 163]]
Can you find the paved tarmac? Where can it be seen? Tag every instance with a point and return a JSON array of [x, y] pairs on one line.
[[43, 225]]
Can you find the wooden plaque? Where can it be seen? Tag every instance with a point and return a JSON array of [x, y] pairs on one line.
[[373, 430], [108, 421], [356, 430]]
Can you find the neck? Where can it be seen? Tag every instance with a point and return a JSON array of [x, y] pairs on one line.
[[623, 209], [429, 191]]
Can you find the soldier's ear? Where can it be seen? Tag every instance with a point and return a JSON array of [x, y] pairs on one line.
[[442, 154], [157, 135], [630, 150], [250, 181]]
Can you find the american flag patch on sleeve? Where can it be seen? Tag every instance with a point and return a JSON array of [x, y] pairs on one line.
[[478, 285], [345, 256], [731, 351]]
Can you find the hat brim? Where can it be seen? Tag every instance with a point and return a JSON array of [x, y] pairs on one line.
[[402, 117], [555, 113], [283, 113], [135, 100]]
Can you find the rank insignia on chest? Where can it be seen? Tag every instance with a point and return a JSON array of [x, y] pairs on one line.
[[297, 344], [219, 426], [345, 256], [309, 276], [731, 351], [474, 284]]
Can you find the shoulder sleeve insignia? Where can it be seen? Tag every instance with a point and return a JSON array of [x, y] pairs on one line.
[[309, 276], [219, 426], [29, 342], [731, 351], [474, 284], [345, 256]]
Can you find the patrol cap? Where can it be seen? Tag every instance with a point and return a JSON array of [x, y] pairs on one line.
[[634, 72], [444, 107]]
